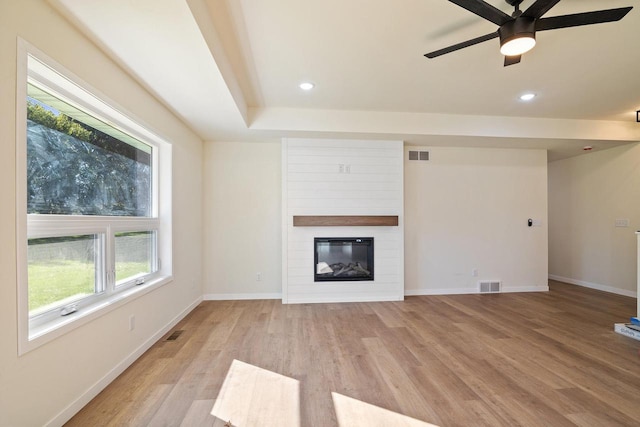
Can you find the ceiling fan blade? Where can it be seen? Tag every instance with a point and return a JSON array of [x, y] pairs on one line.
[[510, 60], [462, 45], [578, 19], [484, 10], [539, 8]]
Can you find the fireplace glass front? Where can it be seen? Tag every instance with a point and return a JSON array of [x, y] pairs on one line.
[[343, 259]]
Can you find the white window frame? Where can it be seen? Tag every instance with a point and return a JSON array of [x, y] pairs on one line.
[[36, 67]]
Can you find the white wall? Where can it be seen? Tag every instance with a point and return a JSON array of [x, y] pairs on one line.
[[586, 195], [467, 208], [242, 220], [369, 183], [50, 382]]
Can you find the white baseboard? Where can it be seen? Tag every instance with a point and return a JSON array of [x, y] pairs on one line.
[[230, 297], [526, 289], [444, 291], [95, 389], [595, 286], [464, 291]]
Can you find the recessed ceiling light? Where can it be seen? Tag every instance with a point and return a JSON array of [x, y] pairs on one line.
[[527, 96], [307, 85]]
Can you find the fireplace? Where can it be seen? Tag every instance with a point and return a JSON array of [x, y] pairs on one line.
[[340, 259]]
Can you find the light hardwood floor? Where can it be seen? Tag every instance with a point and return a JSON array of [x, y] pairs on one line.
[[530, 359]]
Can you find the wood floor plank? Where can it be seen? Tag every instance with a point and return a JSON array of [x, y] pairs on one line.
[[588, 407], [149, 404], [548, 358], [199, 414], [394, 373]]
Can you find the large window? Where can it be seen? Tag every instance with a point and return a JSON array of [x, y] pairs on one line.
[[92, 227]]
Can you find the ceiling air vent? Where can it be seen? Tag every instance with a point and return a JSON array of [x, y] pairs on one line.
[[489, 287], [418, 155]]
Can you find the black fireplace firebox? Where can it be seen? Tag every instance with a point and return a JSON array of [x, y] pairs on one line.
[[340, 259]]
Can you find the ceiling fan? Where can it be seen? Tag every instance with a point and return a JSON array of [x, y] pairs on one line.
[[517, 32]]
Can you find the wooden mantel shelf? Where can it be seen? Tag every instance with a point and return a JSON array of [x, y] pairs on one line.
[[345, 220]]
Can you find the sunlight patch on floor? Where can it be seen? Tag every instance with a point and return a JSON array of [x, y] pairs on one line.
[[252, 396], [355, 413]]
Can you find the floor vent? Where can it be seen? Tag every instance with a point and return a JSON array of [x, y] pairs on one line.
[[174, 336], [418, 155], [490, 287]]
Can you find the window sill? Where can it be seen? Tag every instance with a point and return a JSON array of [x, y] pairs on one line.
[[64, 324]]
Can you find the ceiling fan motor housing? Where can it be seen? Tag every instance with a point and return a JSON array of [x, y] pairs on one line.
[[520, 27]]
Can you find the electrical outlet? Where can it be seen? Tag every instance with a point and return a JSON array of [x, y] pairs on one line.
[[340, 168], [132, 322], [622, 223], [258, 277], [474, 272]]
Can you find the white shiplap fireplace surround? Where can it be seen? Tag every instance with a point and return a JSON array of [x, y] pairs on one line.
[[345, 178]]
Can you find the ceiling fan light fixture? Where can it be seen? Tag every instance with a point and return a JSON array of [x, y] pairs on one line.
[[517, 36], [518, 46]]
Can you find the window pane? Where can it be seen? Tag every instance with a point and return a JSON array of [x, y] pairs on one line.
[[135, 255], [78, 165], [61, 270]]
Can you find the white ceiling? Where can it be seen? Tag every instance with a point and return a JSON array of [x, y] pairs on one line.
[[231, 68]]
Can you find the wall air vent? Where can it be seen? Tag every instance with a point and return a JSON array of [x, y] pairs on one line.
[[490, 286], [418, 155]]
